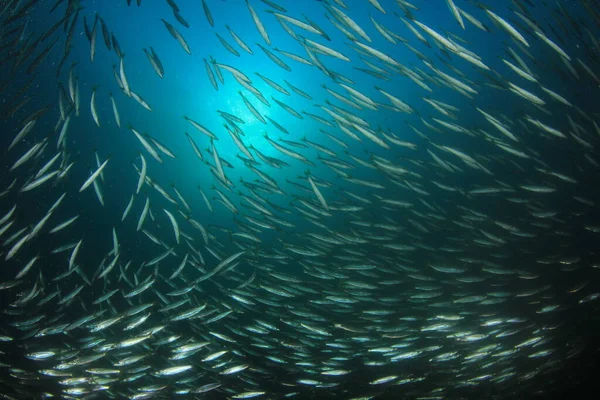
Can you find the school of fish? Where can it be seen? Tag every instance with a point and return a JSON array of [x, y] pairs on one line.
[[437, 257]]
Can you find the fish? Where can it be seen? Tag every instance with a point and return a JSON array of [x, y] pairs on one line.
[[258, 23], [507, 27], [387, 200], [326, 50], [173, 370], [93, 107], [227, 46], [22, 133], [115, 110], [274, 58], [207, 13], [140, 100], [201, 128], [296, 22], [317, 193], [93, 37], [154, 61], [455, 12], [177, 36], [174, 223], [94, 176], [149, 148], [239, 40], [143, 174]]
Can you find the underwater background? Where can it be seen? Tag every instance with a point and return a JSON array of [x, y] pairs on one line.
[[352, 199]]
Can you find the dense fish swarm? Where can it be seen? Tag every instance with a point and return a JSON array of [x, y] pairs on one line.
[[337, 199]]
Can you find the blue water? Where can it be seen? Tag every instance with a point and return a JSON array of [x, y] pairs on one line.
[[186, 90]]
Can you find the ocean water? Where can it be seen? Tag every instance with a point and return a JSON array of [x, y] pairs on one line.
[[448, 252]]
